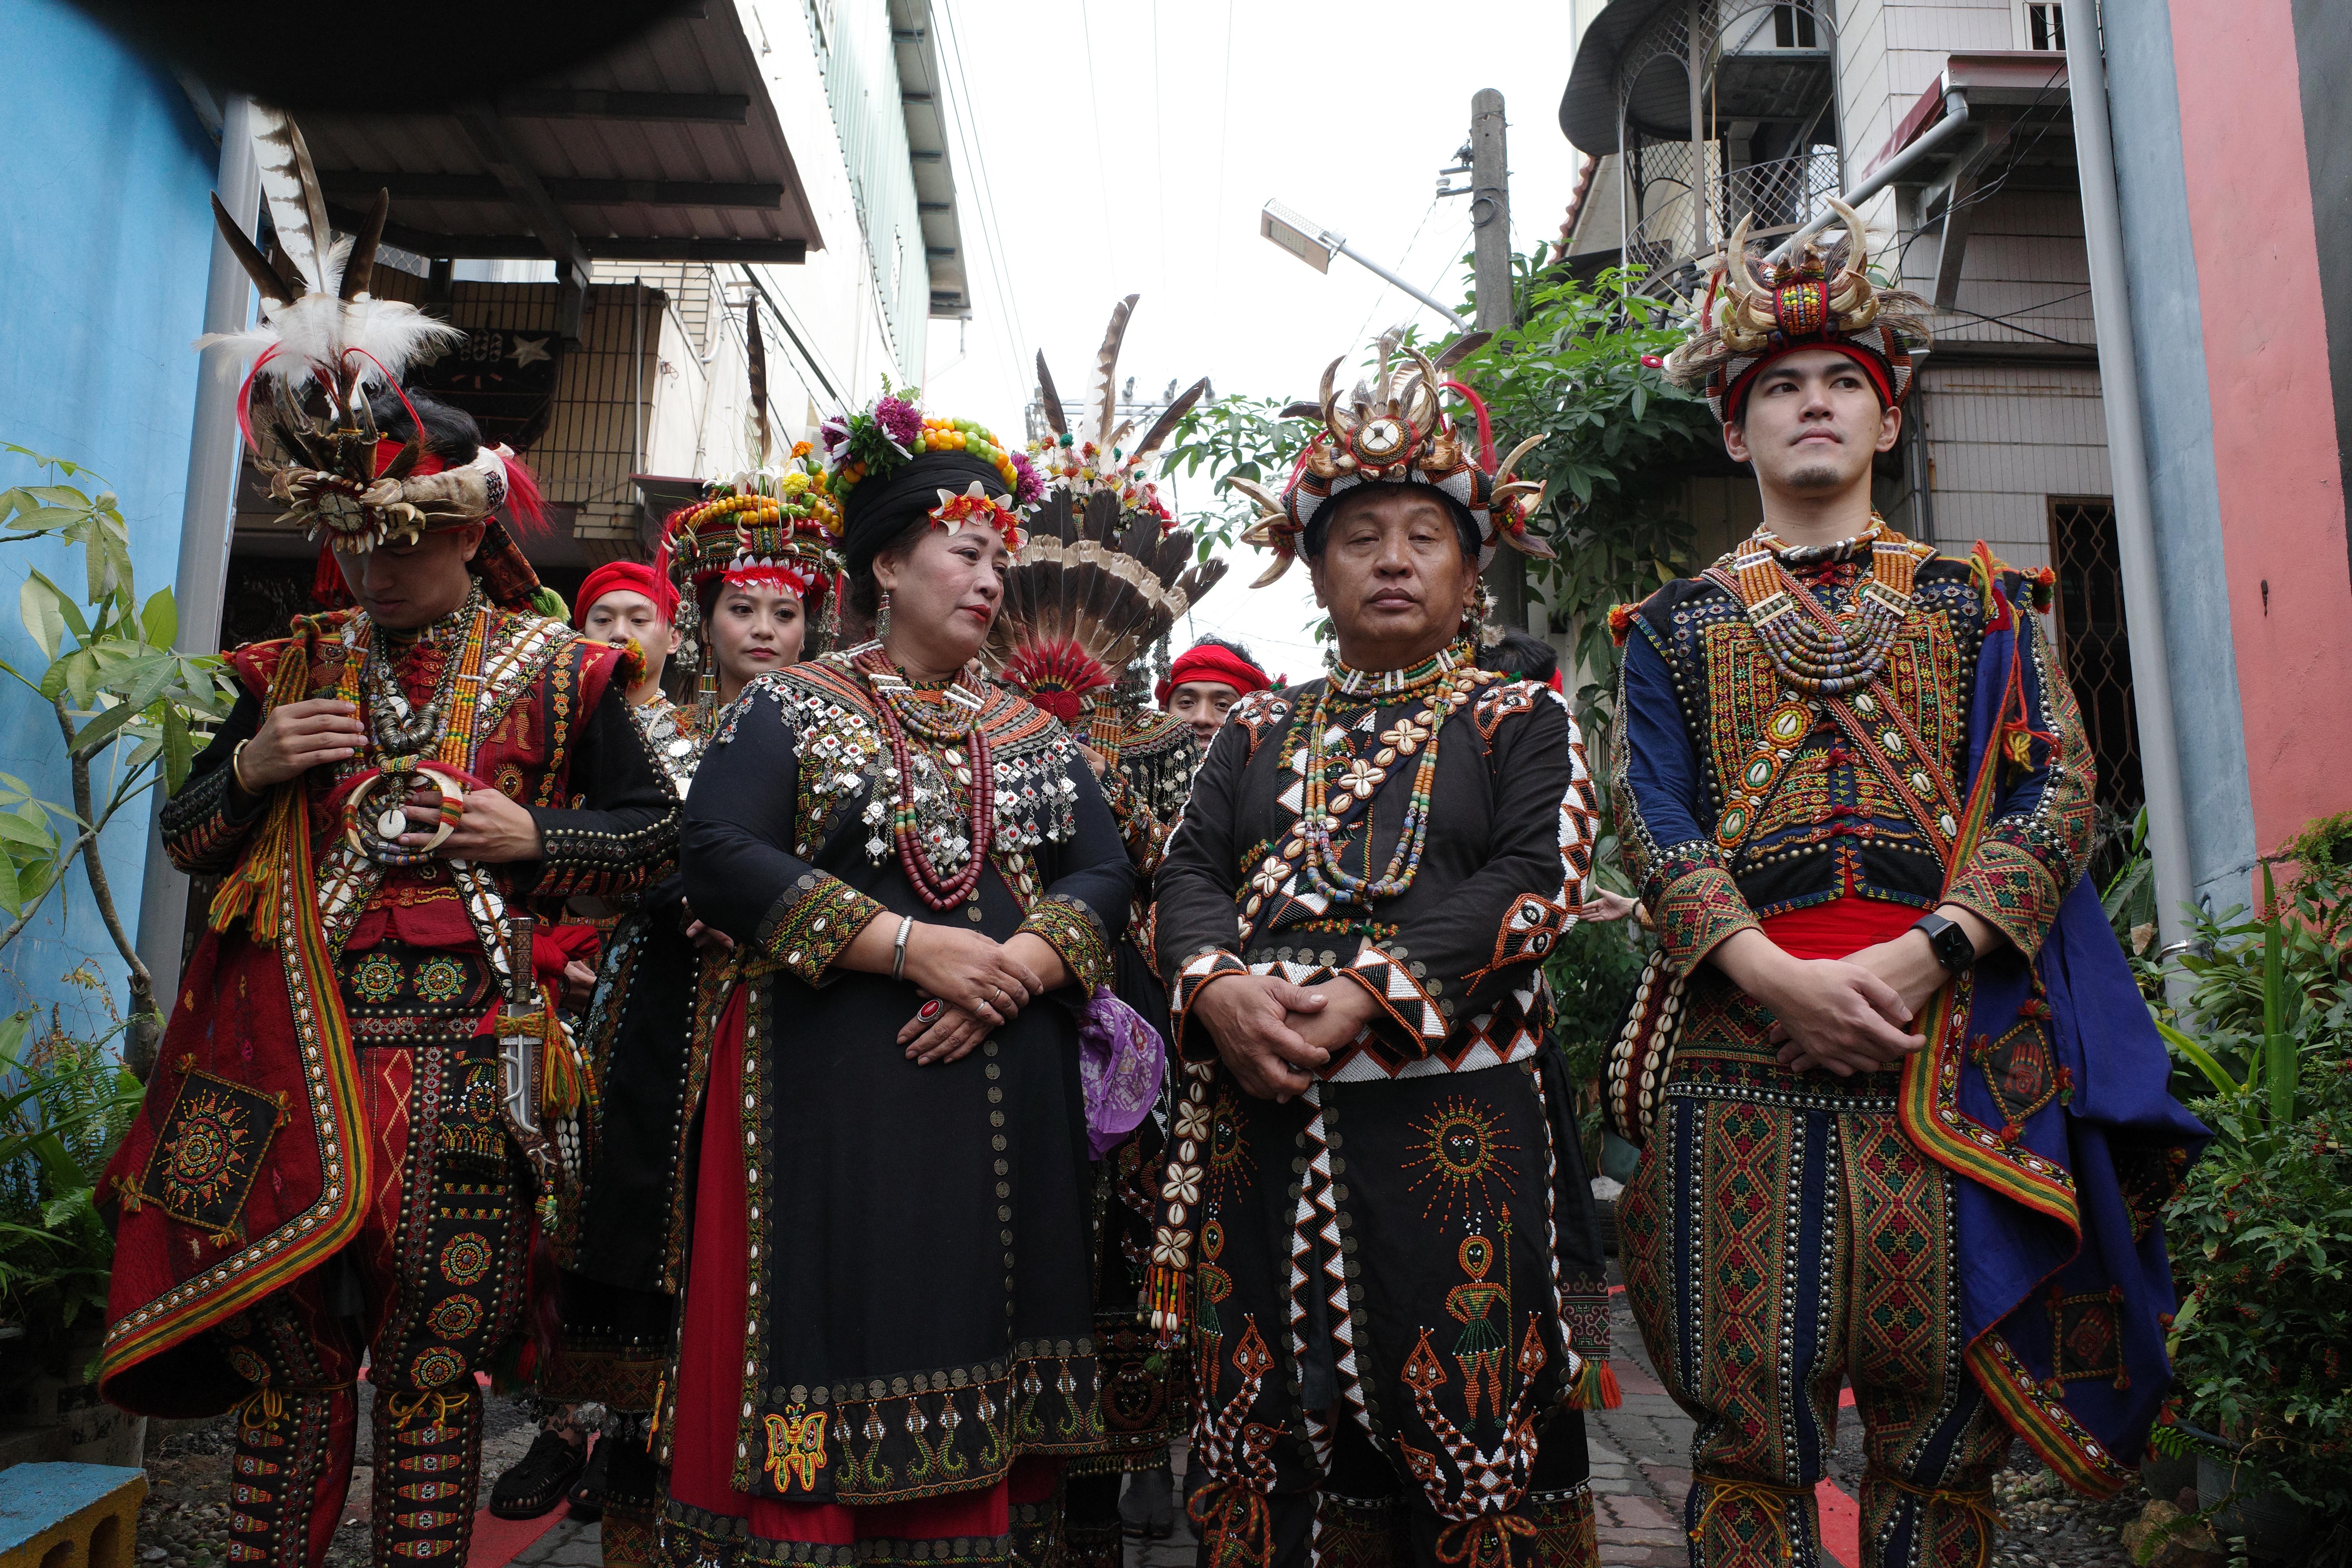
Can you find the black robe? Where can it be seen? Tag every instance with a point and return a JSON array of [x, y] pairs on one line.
[[1409, 1244], [918, 1234]]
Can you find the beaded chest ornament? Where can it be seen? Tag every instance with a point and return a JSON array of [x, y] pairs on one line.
[[1443, 681], [951, 723], [401, 734]]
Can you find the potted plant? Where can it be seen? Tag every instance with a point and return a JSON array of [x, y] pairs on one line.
[[2262, 1230]]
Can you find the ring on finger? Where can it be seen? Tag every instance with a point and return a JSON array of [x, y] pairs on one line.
[[928, 1010]]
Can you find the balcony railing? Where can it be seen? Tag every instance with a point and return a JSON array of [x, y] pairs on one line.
[[1779, 194]]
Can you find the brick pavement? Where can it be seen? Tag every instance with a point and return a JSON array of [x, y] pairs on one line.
[[1641, 1458]]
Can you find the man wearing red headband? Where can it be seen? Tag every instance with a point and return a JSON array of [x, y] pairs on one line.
[[614, 1338], [1205, 682], [1856, 794], [624, 602]]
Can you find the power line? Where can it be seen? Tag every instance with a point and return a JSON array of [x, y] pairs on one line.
[[1225, 134], [992, 235], [1102, 170], [1385, 287]]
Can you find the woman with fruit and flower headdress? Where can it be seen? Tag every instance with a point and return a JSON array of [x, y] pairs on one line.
[[886, 1334], [734, 586]]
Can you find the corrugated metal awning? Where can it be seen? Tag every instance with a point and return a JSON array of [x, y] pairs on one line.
[[667, 150]]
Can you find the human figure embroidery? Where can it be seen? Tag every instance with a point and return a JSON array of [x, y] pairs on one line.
[[886, 1350], [1375, 1215], [394, 782], [1855, 793]]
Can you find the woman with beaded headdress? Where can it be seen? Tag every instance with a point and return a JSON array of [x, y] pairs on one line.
[[743, 572], [885, 1345], [1903, 1113], [1375, 1222]]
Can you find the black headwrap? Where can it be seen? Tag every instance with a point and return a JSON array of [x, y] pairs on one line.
[[878, 509]]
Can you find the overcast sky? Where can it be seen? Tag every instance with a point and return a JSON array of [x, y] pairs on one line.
[[1143, 173]]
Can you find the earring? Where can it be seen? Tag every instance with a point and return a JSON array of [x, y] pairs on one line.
[[882, 619]]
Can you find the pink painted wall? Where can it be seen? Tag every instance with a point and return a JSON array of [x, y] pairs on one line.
[[2274, 451]]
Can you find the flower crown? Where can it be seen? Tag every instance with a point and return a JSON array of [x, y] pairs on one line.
[[781, 522], [975, 508], [894, 431]]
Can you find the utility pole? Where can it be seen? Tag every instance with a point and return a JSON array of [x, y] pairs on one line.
[[1490, 239]]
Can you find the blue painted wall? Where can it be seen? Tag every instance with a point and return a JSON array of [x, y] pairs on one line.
[[2176, 424], [105, 241]]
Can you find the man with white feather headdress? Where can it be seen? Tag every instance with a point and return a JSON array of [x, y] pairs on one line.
[[366, 1107]]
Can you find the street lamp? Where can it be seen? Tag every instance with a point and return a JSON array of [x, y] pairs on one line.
[[1316, 246]]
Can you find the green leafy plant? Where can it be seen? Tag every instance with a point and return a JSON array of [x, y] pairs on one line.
[[125, 704], [1583, 370], [69, 1105], [2262, 1232]]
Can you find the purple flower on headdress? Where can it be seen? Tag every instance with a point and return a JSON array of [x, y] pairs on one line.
[[900, 420], [1026, 486], [833, 435]]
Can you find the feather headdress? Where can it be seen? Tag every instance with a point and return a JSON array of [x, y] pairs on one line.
[[1091, 589], [1083, 464], [323, 342], [1395, 431], [1754, 312], [1103, 572]]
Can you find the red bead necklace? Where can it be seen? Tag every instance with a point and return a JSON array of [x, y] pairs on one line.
[[900, 710]]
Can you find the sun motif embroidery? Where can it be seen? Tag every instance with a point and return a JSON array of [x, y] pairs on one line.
[[1231, 1168], [209, 1152], [456, 1317], [1456, 1150], [796, 1448], [466, 1257]]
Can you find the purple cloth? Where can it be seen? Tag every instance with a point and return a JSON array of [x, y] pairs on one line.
[[1120, 1061]]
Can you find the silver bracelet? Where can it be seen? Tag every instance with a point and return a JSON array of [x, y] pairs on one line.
[[898, 948]]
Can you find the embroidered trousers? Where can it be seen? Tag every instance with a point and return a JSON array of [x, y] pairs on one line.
[[1776, 1242], [427, 1291]]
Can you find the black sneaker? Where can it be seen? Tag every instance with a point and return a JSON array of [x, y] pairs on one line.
[[1148, 1510], [535, 1483]]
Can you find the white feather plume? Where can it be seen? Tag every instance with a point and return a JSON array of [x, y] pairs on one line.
[[319, 328]]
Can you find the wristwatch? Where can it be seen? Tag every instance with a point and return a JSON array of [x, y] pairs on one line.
[[1953, 949]]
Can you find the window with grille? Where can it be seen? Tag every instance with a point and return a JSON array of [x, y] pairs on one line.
[[2087, 624], [1792, 26], [2045, 24]]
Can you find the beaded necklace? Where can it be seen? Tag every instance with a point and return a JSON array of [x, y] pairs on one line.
[[403, 734], [902, 709], [1443, 682], [1817, 653]]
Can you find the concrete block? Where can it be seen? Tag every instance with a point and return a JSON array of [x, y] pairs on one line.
[[70, 1516]]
